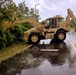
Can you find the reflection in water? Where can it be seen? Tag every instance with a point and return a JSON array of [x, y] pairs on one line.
[[33, 58], [54, 57]]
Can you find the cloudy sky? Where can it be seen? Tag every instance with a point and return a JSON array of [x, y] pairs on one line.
[[49, 8]]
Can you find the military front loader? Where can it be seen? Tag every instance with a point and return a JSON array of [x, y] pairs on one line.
[[52, 28]]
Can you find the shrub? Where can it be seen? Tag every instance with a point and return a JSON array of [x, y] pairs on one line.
[[13, 34]]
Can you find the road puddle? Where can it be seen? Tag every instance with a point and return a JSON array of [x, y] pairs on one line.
[[33, 61]]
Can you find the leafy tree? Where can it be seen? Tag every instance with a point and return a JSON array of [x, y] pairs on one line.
[[34, 15], [2, 39], [7, 9], [9, 37], [31, 12], [22, 8]]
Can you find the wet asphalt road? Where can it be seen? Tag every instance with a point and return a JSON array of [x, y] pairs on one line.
[[44, 59]]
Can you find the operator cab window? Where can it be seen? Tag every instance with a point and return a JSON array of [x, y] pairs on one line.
[[53, 23], [47, 24], [60, 20]]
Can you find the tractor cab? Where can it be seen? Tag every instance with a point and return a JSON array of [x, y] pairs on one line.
[[53, 22]]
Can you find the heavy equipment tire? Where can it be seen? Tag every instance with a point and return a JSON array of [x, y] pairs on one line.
[[34, 38], [60, 36]]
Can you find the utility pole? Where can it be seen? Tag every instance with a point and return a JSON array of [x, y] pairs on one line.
[[35, 7], [36, 12]]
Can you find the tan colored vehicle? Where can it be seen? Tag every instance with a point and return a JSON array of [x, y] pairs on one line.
[[52, 28]]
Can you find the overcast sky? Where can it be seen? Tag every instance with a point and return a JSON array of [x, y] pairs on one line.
[[49, 8]]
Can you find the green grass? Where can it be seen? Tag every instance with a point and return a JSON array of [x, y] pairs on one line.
[[12, 51]]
